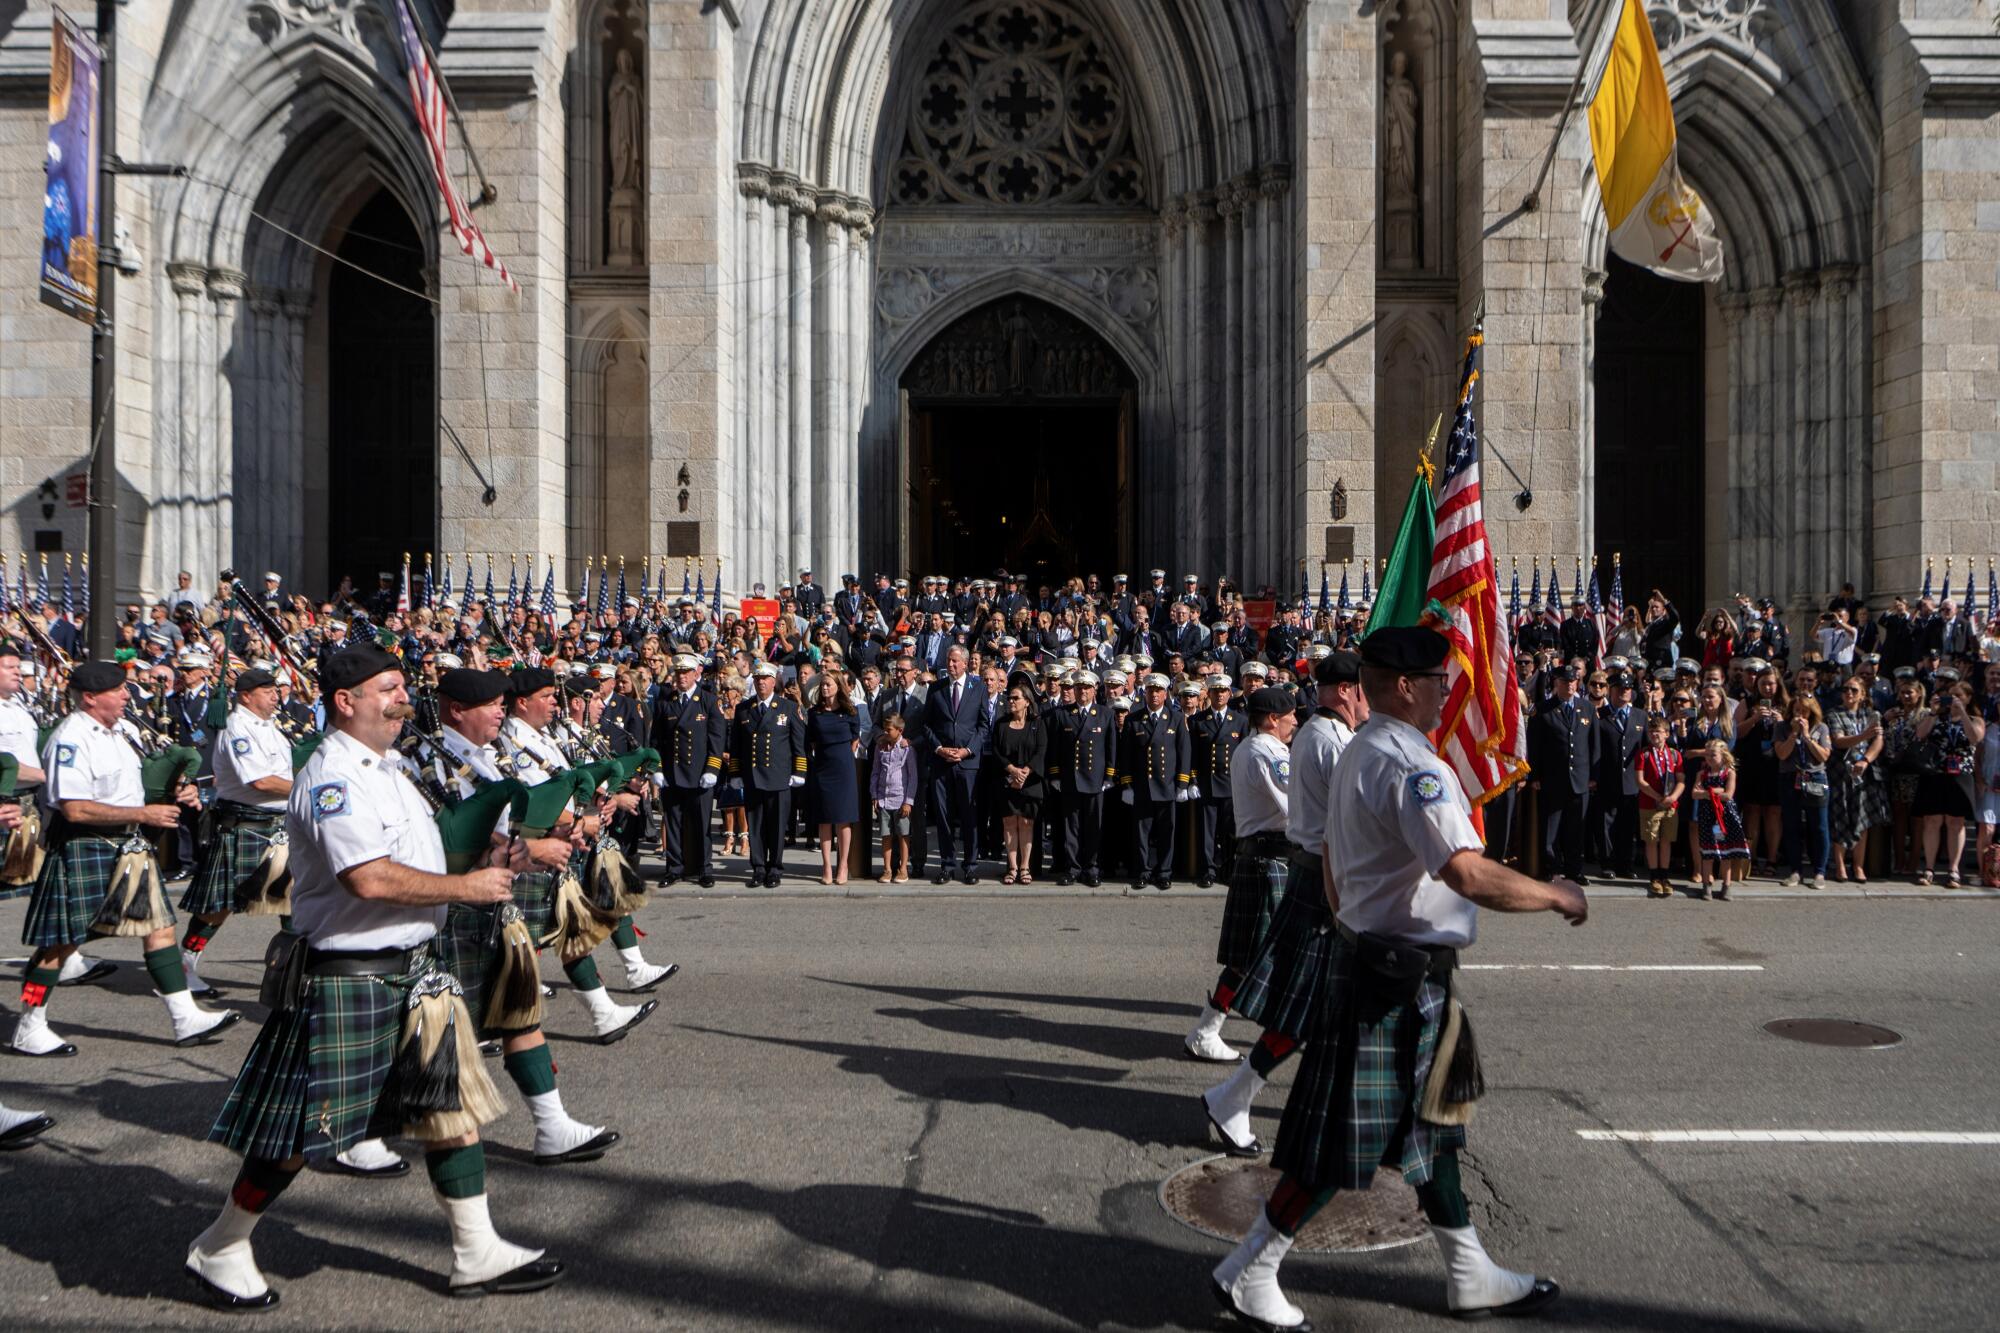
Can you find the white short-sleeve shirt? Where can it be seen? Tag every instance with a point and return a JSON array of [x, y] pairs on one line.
[[1395, 815], [350, 806], [1315, 750], [18, 733], [531, 754], [1259, 773], [247, 749], [89, 762]]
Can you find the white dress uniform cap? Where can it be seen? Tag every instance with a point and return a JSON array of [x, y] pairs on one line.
[[190, 660], [1189, 688], [1219, 682], [1086, 678], [1114, 677], [1255, 669], [1156, 681], [686, 662], [449, 661], [763, 669]]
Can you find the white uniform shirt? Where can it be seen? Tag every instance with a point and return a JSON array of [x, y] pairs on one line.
[[1395, 816], [350, 806], [18, 732], [481, 760], [1315, 750], [88, 762], [1259, 773], [535, 757], [247, 749]]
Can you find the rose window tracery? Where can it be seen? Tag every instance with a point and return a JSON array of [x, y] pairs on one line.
[[1019, 104]]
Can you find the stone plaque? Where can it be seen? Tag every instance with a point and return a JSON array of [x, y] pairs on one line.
[[683, 539], [1339, 543]]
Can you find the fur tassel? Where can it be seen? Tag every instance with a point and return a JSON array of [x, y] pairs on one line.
[[578, 925], [443, 1084], [134, 905], [1464, 1080], [267, 890], [1456, 1083], [24, 849], [616, 886], [516, 1003]]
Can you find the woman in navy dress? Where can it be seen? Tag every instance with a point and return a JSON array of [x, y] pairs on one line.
[[833, 793]]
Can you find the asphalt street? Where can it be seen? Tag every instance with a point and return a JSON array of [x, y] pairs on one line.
[[955, 1112]]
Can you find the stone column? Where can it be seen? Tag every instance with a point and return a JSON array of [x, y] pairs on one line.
[[289, 507], [180, 482], [1227, 456], [1334, 249], [1177, 325], [225, 289], [1764, 470], [831, 507], [1274, 424], [1732, 306], [799, 302], [752, 518], [1847, 425], [860, 326], [1593, 306], [1208, 507], [774, 307]]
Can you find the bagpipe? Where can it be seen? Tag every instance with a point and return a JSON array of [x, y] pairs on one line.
[[267, 889], [135, 903], [280, 644], [23, 863]]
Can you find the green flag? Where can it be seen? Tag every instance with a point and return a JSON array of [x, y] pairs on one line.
[[1405, 588]]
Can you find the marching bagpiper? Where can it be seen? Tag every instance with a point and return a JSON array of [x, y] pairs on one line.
[[101, 875]]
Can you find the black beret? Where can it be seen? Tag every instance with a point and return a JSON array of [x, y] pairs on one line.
[[526, 680], [1337, 666], [1270, 699], [350, 666], [96, 677], [1405, 648], [463, 685], [254, 679]]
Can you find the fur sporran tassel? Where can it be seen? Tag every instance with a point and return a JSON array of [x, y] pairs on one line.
[[578, 925], [615, 885], [24, 849], [134, 904], [267, 890], [516, 1001], [440, 1079], [1456, 1082]]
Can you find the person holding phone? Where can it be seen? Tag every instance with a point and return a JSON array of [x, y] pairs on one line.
[[1948, 741]]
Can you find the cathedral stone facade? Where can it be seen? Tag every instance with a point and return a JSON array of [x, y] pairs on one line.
[[1054, 284]]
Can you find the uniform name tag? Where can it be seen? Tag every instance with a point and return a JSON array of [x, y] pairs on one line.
[[1428, 788], [329, 799]]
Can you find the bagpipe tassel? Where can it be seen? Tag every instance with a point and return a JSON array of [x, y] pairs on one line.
[[134, 905], [267, 890], [616, 886], [1456, 1081], [441, 1082], [516, 1002], [24, 849], [579, 925]]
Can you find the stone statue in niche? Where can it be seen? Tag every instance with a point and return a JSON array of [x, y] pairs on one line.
[[1400, 122], [625, 116]]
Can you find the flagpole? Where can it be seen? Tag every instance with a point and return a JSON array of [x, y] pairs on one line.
[[487, 192], [1532, 200]]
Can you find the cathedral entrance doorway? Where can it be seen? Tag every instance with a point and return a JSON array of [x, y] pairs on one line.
[[1018, 423]]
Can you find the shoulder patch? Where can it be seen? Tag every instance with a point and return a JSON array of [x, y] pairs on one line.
[[65, 755], [239, 744], [1283, 767], [1428, 788], [329, 799]]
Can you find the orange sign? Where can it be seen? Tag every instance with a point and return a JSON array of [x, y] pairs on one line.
[[1261, 614], [763, 611]]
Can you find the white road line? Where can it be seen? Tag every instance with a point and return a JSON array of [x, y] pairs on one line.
[[1956, 1138], [1611, 967]]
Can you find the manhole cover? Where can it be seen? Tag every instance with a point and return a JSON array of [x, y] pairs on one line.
[[1833, 1032], [1220, 1196]]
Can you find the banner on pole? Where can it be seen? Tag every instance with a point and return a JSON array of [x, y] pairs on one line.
[[763, 611], [69, 196]]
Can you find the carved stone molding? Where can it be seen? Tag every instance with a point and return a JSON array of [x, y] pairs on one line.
[[274, 20], [1018, 348], [1130, 293], [187, 279], [226, 284], [753, 180], [1680, 25], [1275, 181]]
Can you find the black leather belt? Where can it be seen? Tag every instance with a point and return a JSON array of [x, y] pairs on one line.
[[237, 812], [360, 963], [1268, 843], [1440, 960]]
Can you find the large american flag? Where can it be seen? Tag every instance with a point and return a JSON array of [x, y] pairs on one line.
[[427, 100], [1481, 734]]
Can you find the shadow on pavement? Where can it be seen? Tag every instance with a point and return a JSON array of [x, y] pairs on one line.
[[949, 995]]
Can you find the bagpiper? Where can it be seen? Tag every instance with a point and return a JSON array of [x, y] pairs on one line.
[[368, 1035], [101, 875]]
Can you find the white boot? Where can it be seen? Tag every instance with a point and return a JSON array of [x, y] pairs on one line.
[[194, 1025], [642, 975], [371, 1157], [610, 1019], [18, 1127], [1229, 1105], [76, 967], [32, 1035], [477, 1252], [190, 964], [555, 1132], [1247, 1281], [1204, 1040], [1472, 1281], [220, 1257]]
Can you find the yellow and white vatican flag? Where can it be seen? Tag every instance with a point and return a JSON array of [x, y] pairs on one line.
[[1655, 220]]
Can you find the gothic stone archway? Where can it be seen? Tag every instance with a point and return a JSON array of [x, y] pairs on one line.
[[1018, 426]]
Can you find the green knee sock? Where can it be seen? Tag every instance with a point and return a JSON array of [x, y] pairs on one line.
[[168, 974], [533, 1072], [582, 974], [457, 1173], [1442, 1196], [625, 937]]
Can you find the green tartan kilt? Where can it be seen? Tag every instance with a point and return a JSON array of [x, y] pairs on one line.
[[1256, 883], [468, 948], [1284, 983], [71, 891], [316, 1080], [1329, 1141], [230, 858]]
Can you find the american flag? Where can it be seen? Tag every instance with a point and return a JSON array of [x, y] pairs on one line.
[[549, 596], [1596, 604], [403, 589], [427, 100], [1481, 734]]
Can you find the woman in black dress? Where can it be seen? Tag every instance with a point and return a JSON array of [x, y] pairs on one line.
[[833, 794], [1759, 793], [1020, 746]]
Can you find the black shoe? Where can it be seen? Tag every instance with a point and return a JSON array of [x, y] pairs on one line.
[[669, 878], [1160, 884], [969, 878], [1228, 1302], [21, 1135], [673, 970], [532, 1276], [588, 1151], [1581, 879], [1091, 881], [772, 876], [706, 881], [1539, 1295], [1064, 881], [619, 1033], [1204, 884], [756, 879], [940, 879], [1229, 1148], [490, 1049], [229, 1300], [205, 1037], [97, 971]]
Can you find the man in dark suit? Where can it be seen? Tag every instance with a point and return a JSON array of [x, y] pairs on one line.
[[954, 735], [1563, 752], [1182, 635], [691, 734], [932, 641], [1621, 735]]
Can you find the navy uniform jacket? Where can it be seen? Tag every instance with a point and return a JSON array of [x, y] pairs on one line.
[[1578, 638], [1215, 735], [1155, 756], [1188, 640], [932, 603], [846, 606], [965, 729], [808, 598], [767, 745], [1618, 744], [620, 723], [1082, 749], [1138, 643], [1537, 634], [689, 736], [1282, 644], [1563, 745], [931, 649]]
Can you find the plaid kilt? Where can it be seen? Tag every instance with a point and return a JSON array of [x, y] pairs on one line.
[[315, 1079], [1326, 1140], [468, 948], [1282, 987], [229, 858], [70, 892], [1256, 884]]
